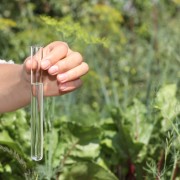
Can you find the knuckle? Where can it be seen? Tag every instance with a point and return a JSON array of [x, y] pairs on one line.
[[65, 45], [63, 66], [62, 46], [78, 56], [86, 67]]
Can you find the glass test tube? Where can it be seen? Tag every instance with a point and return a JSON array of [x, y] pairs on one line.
[[36, 104]]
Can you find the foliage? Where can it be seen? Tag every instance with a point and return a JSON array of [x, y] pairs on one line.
[[124, 122]]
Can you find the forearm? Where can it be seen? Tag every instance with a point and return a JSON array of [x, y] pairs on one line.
[[14, 89]]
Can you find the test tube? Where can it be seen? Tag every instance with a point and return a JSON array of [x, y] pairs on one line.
[[36, 104]]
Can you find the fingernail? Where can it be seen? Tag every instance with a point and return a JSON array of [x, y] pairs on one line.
[[53, 69], [62, 77], [62, 87], [45, 64]]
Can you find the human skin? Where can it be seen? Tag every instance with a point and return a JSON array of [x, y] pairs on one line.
[[62, 72]]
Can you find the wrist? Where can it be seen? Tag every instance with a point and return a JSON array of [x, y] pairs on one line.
[[15, 88], [25, 83]]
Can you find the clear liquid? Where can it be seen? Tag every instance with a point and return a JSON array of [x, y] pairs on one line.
[[37, 121]]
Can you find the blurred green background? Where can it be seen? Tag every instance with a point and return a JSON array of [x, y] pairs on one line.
[[124, 123]]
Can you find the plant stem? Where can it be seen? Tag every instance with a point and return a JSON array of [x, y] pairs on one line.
[[65, 157], [160, 163], [175, 168]]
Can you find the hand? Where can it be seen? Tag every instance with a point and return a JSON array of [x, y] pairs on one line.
[[62, 69]]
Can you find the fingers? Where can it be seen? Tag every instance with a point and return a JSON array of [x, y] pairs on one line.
[[52, 53], [34, 61], [70, 86], [55, 89], [71, 61], [62, 69], [57, 51], [74, 73], [54, 44]]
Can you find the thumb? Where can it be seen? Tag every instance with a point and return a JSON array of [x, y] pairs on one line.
[[28, 65]]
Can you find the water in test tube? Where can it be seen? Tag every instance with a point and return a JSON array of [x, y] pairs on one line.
[[36, 104]]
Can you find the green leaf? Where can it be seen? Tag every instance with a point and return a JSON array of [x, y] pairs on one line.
[[139, 125], [85, 134], [87, 171], [4, 136], [89, 151], [168, 104], [14, 151], [126, 143]]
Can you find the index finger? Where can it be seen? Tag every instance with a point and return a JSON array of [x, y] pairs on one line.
[[53, 53]]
